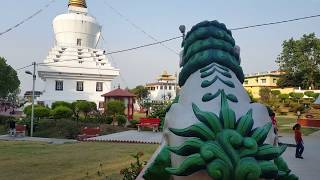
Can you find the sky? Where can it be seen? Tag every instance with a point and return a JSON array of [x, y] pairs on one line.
[[161, 19]]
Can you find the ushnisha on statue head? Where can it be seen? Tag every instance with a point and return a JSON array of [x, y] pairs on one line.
[[208, 42]]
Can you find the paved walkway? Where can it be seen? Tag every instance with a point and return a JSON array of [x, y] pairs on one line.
[[307, 168], [131, 136], [37, 139]]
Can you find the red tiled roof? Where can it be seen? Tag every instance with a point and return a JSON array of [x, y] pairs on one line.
[[118, 93]]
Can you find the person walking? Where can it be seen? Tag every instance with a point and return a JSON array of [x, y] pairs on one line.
[[12, 128], [299, 141]]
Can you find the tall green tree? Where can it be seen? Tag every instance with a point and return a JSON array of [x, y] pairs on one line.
[[300, 62], [142, 94], [9, 81]]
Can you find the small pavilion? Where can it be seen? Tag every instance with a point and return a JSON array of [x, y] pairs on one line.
[[124, 96]]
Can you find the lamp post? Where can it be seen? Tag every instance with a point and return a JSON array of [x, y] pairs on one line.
[[33, 87], [182, 29]]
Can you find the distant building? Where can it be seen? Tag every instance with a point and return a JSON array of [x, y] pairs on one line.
[[164, 89], [254, 82], [74, 68], [28, 95]]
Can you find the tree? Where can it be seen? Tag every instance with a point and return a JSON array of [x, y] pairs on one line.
[[310, 94], [75, 110], [142, 94], [300, 62], [9, 81], [283, 97], [86, 107], [61, 112], [61, 103], [115, 107], [275, 93], [296, 96], [39, 111], [250, 95], [264, 94]]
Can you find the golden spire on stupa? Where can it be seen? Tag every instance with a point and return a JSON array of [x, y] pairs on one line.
[[78, 3]]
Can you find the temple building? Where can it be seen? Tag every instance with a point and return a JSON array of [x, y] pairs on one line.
[[164, 89], [74, 68]]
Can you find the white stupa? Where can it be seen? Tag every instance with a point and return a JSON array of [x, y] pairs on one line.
[[75, 69]]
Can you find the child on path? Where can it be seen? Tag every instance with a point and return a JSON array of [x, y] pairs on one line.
[[299, 141]]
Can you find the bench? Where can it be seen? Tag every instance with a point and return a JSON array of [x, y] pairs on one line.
[[153, 123], [88, 133], [309, 122], [21, 130]]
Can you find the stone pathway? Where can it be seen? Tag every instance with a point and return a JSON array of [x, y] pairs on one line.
[[37, 139], [131, 136], [307, 168]]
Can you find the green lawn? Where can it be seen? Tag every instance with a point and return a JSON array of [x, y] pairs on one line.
[[285, 124], [31, 160]]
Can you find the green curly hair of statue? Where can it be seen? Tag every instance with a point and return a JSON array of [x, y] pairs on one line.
[[205, 43], [228, 149]]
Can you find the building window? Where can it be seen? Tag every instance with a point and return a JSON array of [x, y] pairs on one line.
[[79, 85], [170, 87], [78, 42], [274, 80], [99, 86], [246, 82], [263, 81], [101, 105], [165, 87], [161, 87], [59, 85]]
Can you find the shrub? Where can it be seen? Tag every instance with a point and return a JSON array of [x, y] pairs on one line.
[[296, 96], [41, 112], [28, 109], [108, 119], [68, 129], [61, 112], [275, 93], [283, 97], [85, 107], [294, 107], [132, 172], [121, 119], [61, 103], [264, 94], [309, 93], [316, 95], [115, 107], [133, 123], [250, 94]]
